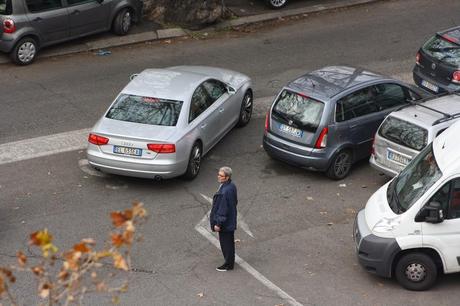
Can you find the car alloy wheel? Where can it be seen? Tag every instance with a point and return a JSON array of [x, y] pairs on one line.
[[126, 23], [277, 3], [246, 109], [194, 162], [340, 166]]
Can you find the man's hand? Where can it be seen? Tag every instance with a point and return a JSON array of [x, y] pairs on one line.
[[216, 228]]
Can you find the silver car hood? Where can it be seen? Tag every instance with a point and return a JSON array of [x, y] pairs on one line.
[[230, 77], [130, 130]]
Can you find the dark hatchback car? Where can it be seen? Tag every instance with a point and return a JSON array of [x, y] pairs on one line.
[[28, 25], [326, 120], [437, 63]]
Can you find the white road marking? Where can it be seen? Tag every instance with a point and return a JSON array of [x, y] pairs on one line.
[[202, 228]]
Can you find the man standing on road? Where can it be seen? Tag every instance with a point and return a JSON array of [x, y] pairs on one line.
[[223, 216]]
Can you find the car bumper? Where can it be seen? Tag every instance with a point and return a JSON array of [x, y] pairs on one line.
[[6, 44], [375, 254], [309, 158], [419, 76], [120, 165], [382, 168]]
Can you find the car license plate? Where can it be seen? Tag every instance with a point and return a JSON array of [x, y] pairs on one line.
[[430, 86], [127, 151], [291, 130], [398, 158]]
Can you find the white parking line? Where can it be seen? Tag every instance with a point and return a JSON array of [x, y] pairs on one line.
[[202, 228]]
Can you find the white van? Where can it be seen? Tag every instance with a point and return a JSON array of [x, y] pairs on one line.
[[410, 227]]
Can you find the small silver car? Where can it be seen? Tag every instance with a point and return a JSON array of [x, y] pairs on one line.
[[28, 25], [404, 133], [165, 120]]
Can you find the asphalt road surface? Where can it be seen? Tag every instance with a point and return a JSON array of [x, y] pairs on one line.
[[301, 221]]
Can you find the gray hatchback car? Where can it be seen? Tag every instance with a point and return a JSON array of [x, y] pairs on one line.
[[27, 25], [325, 120]]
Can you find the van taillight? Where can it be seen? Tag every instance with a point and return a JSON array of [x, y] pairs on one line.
[[417, 58], [98, 140], [456, 77], [9, 26], [321, 142], [267, 122]]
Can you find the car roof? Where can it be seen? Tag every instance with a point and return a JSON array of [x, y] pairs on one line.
[[422, 116], [452, 35], [166, 83], [332, 80], [446, 149]]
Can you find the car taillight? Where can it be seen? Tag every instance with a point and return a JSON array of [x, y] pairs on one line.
[[321, 142], [267, 122], [9, 26], [98, 140], [456, 77], [162, 147], [417, 58]]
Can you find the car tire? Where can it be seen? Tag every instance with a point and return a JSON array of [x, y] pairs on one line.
[[122, 22], [24, 51], [246, 109], [194, 162], [340, 166], [416, 271], [276, 4]]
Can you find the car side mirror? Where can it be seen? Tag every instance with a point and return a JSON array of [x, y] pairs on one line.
[[231, 90], [431, 213]]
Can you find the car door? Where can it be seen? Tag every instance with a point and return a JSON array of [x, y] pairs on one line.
[[361, 116], [202, 117], [49, 18], [445, 236], [88, 16]]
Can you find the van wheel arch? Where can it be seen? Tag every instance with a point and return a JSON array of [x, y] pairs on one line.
[[427, 251]]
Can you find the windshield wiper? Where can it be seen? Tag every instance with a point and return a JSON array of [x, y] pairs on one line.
[[398, 204]]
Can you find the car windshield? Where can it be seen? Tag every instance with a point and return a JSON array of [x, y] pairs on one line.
[[404, 133], [5, 7], [304, 112], [145, 110], [443, 50], [419, 175]]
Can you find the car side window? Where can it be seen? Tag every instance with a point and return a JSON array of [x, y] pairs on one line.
[[215, 89], [35, 6], [389, 95], [354, 105], [200, 102], [75, 2], [449, 198]]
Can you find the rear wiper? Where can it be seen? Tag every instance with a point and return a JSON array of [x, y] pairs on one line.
[[286, 118], [443, 49]]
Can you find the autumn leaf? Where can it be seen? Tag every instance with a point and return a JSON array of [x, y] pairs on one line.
[[22, 259], [38, 270], [45, 290], [119, 262], [2, 285], [41, 238], [118, 218], [117, 240], [81, 247], [139, 210]]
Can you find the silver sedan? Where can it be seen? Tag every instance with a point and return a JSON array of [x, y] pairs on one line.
[[165, 120]]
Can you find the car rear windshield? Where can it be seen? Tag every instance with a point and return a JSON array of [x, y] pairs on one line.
[[145, 110], [404, 133], [304, 112], [443, 49], [5, 7]]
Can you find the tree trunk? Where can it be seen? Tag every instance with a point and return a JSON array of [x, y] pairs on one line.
[[189, 13]]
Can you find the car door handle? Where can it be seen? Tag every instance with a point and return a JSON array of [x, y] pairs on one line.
[[204, 125], [221, 110], [38, 19], [76, 12]]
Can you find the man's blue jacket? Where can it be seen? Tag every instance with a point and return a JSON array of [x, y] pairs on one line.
[[223, 212]]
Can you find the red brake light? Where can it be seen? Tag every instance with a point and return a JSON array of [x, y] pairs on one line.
[[321, 142], [9, 26], [97, 140], [456, 77], [162, 147], [450, 38], [417, 58], [267, 121]]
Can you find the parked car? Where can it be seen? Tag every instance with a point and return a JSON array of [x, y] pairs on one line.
[[437, 63], [28, 25], [276, 4], [326, 119], [165, 120], [404, 133], [409, 227]]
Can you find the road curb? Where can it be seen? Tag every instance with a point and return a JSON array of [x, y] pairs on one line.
[[118, 41]]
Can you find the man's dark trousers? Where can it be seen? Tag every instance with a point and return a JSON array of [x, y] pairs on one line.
[[227, 244]]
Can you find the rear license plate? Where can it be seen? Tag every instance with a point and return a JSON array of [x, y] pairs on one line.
[[127, 151], [430, 86], [291, 130], [398, 158]]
